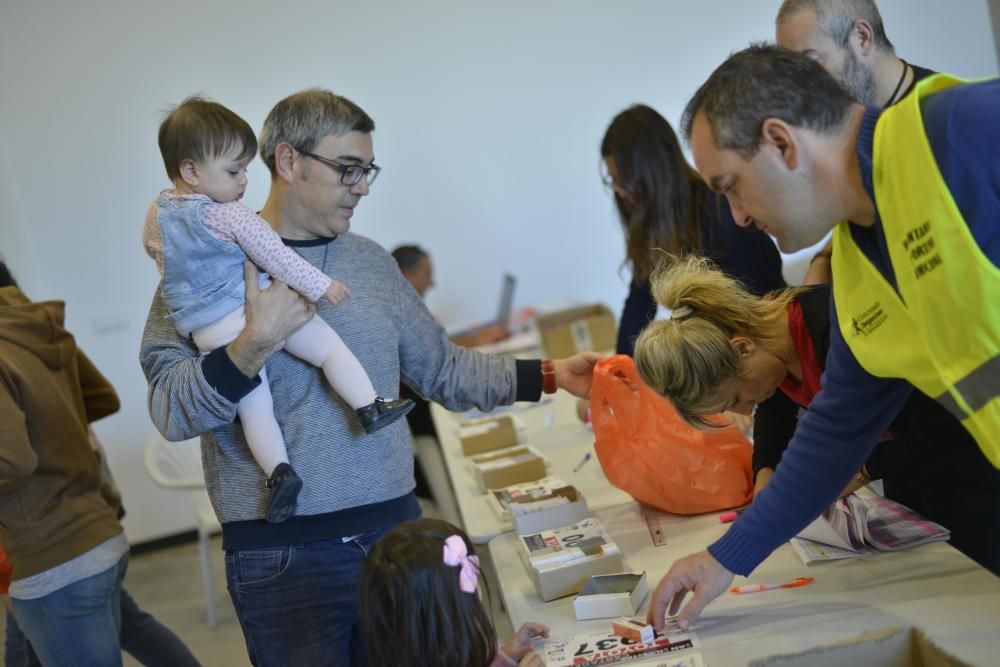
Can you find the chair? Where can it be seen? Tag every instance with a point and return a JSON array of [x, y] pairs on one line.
[[177, 465], [428, 451]]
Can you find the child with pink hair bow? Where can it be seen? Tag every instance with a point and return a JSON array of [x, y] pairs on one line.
[[420, 603]]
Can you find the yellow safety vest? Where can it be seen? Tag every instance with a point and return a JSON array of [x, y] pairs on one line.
[[941, 331]]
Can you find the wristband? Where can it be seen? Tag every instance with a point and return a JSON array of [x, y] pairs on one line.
[[548, 376]]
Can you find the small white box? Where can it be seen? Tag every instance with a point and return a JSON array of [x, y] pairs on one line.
[[610, 595]]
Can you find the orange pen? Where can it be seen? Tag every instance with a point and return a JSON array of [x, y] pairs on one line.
[[757, 588]]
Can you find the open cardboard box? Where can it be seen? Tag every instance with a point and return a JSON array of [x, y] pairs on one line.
[[611, 595], [505, 467], [583, 329], [573, 554], [500, 500], [533, 517], [890, 647], [487, 434]]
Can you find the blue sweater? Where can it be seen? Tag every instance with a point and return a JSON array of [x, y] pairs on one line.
[[846, 418]]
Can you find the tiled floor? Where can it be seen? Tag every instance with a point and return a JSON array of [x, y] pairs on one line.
[[167, 584]]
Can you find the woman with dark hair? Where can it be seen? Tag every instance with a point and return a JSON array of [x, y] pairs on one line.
[[664, 205]]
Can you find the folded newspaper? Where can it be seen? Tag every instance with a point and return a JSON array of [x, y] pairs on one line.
[[864, 524], [672, 647]]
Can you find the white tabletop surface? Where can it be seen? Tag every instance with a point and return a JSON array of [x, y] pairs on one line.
[[934, 587], [554, 430]]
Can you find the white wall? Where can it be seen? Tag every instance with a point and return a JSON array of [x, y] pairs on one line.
[[488, 115]]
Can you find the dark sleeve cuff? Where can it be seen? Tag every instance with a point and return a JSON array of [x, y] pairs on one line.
[[739, 553], [529, 379], [225, 378]]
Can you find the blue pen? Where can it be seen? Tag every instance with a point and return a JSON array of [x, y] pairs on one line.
[[586, 457]]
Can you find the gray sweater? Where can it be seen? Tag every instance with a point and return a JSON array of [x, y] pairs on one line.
[[346, 474]]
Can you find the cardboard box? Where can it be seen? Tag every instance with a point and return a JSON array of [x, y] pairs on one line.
[[618, 594], [487, 435], [504, 467], [500, 500], [634, 629], [891, 647], [538, 505], [566, 332], [544, 514], [561, 561]]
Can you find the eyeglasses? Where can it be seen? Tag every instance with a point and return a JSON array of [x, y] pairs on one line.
[[350, 174]]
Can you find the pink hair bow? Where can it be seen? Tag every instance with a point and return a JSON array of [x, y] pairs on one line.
[[457, 554]]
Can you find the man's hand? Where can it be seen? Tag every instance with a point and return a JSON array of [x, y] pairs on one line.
[[699, 574], [272, 315], [337, 293], [855, 484], [519, 647], [576, 373], [583, 410]]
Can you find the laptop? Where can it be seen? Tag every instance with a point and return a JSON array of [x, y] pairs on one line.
[[504, 308]]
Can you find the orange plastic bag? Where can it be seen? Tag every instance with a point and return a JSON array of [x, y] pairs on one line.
[[649, 452]]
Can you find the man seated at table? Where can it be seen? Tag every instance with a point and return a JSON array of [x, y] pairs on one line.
[[415, 265]]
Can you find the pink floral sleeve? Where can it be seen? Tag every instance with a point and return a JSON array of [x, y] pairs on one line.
[[151, 239], [236, 223]]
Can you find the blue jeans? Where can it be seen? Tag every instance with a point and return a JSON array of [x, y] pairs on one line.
[[77, 624], [150, 642], [298, 604], [17, 648], [143, 637]]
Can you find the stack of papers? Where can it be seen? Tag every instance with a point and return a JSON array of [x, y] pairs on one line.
[[859, 525]]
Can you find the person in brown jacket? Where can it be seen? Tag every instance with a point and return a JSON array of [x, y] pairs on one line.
[[62, 537]]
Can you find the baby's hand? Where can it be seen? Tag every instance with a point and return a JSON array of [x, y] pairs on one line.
[[520, 645], [337, 292]]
